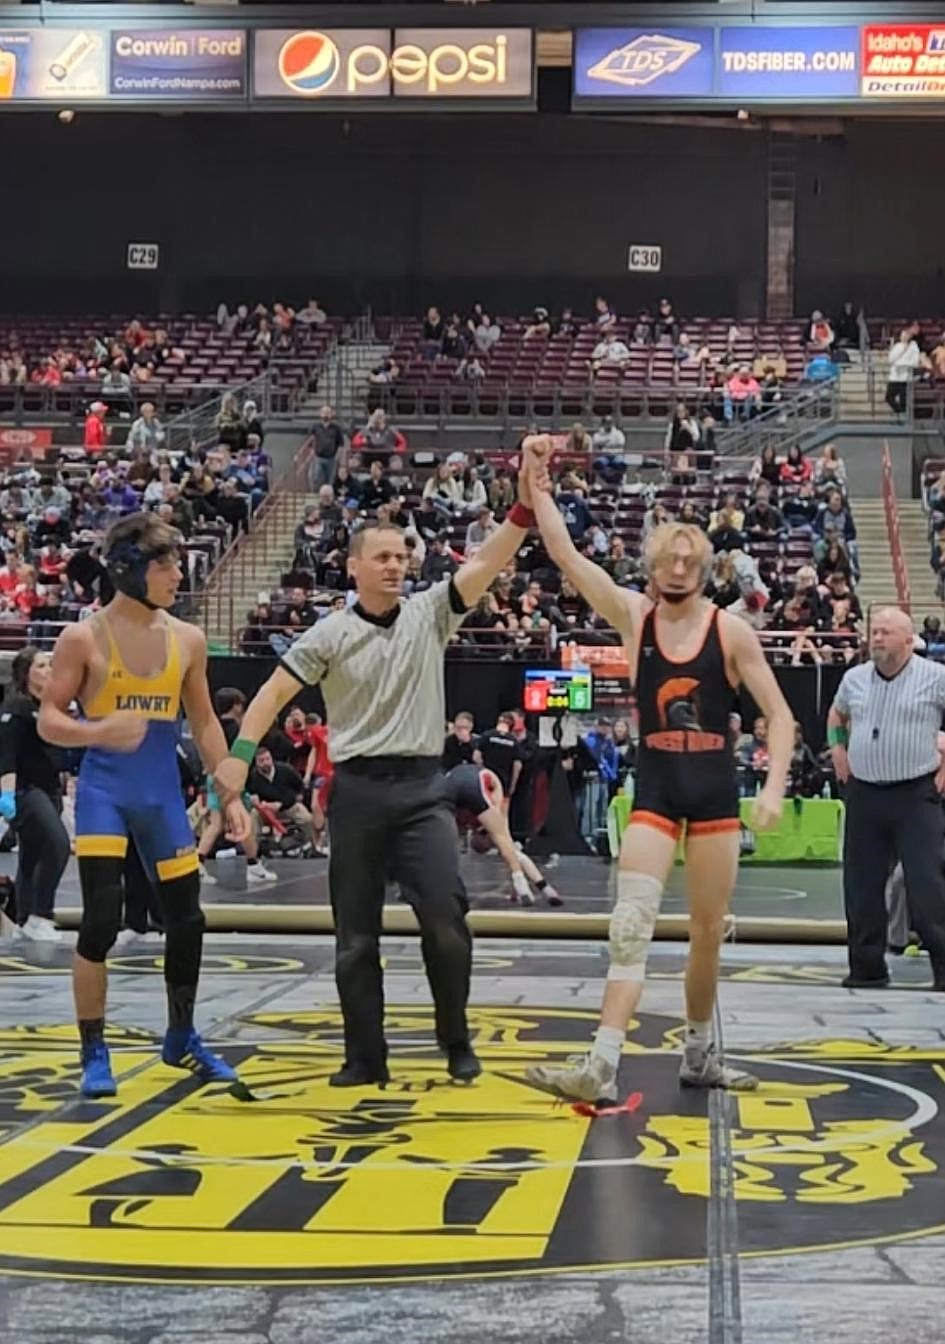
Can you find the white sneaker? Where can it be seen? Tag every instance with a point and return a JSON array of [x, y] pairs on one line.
[[582, 1078], [258, 872], [205, 877], [702, 1067], [41, 930], [125, 938], [521, 888]]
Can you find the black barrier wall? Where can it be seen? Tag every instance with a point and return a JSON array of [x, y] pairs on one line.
[[485, 689], [401, 211]]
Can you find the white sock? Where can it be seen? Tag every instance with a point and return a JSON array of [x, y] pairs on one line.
[[608, 1045], [698, 1035], [520, 884]]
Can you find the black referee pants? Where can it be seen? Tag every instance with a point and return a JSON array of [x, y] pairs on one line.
[[389, 815], [886, 822]]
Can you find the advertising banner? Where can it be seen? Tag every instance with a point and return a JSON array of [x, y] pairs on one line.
[[643, 63], [788, 63], [169, 63], [751, 62], [472, 64], [342, 63], [59, 63], [903, 60]]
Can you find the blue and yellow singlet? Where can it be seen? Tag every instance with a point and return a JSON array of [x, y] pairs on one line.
[[137, 795]]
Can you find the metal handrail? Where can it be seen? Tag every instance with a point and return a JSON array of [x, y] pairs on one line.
[[891, 509]]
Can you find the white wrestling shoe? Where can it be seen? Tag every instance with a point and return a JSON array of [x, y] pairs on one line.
[[702, 1067], [40, 930], [581, 1078], [258, 872]]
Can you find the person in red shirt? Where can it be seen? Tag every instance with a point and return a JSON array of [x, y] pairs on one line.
[[10, 574], [95, 437], [25, 596]]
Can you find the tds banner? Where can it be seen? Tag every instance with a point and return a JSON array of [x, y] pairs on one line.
[[776, 65], [472, 65]]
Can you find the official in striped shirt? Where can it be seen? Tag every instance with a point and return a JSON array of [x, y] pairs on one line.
[[379, 664], [883, 731]]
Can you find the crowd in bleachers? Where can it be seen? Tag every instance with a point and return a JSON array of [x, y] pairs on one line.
[[739, 366], [54, 514], [171, 360], [782, 531]]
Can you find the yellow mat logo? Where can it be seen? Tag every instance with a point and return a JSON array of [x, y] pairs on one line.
[[170, 1182]]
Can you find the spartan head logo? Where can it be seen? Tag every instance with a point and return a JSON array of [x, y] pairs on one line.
[[677, 703]]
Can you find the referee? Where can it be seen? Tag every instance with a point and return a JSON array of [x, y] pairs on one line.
[[883, 733], [380, 667]]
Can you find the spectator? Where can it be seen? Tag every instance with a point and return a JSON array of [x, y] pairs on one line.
[[540, 324], [486, 335], [800, 510], [280, 788], [501, 491], [904, 358], [609, 353], [654, 518], [438, 563], [253, 429], [377, 489], [834, 560], [766, 467], [147, 433], [229, 422], [328, 443], [796, 467], [434, 329], [599, 781], [736, 515], [820, 368], [744, 394], [763, 522], [621, 567], [847, 327], [667, 323], [482, 529], [573, 508], [836, 522], [608, 440], [453, 344], [723, 587], [682, 432], [459, 746], [643, 328], [116, 387], [567, 324], [312, 315], [579, 442], [95, 432], [605, 319], [379, 439], [830, 472], [820, 335], [725, 534]]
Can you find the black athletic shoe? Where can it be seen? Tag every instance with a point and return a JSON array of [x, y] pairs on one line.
[[861, 982], [359, 1074], [938, 985], [462, 1063]]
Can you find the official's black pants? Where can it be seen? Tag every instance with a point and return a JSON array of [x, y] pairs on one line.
[[388, 814], [42, 852], [885, 822]]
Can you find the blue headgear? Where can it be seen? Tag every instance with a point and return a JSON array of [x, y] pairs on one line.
[[127, 563]]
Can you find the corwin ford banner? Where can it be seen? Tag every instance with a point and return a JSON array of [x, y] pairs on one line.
[[768, 64], [472, 65], [187, 63]]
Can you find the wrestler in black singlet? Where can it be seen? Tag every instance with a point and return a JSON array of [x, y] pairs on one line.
[[464, 789], [686, 769]]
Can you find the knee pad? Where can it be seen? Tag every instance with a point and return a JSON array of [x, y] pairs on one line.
[[632, 925], [102, 900], [180, 901]]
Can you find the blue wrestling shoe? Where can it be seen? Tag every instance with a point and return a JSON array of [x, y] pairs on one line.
[[183, 1049], [97, 1079]]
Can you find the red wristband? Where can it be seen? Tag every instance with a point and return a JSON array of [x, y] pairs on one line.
[[520, 516]]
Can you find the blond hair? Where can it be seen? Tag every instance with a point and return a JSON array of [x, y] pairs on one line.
[[661, 543]]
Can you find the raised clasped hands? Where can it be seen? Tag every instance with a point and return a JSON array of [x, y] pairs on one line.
[[535, 473]]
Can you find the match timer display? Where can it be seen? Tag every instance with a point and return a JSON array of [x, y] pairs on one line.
[[558, 691]]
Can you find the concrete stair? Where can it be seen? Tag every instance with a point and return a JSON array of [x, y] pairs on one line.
[[877, 583], [257, 566], [914, 532], [343, 381], [863, 391]]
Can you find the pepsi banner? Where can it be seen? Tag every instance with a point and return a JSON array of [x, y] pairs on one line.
[[468, 65], [729, 64], [185, 63]]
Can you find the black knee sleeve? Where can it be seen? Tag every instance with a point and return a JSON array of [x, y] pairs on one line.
[[184, 924], [102, 899]]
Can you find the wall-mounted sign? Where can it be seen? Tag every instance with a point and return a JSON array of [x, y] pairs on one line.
[[187, 63], [644, 257], [143, 256], [472, 64], [59, 63]]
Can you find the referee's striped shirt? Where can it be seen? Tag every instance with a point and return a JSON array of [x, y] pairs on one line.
[[894, 721], [382, 676]]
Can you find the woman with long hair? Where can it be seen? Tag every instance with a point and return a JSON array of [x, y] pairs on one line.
[[31, 798]]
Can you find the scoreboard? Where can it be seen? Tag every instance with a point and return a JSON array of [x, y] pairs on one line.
[[558, 691]]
